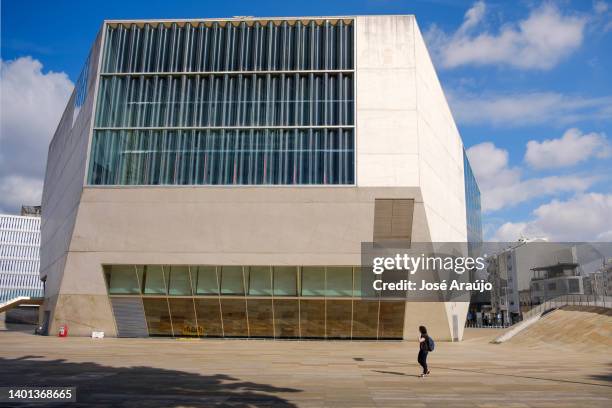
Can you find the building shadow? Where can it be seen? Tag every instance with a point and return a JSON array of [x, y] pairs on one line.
[[607, 377], [103, 386]]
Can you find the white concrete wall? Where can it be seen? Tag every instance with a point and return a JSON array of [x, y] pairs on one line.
[[385, 97], [64, 176], [440, 153], [406, 135]]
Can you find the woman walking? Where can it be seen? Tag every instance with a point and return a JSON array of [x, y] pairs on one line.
[[424, 349]]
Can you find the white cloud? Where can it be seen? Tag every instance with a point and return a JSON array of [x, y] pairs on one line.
[[539, 41], [572, 148], [503, 186], [600, 7], [17, 190], [31, 104], [585, 217], [529, 108]]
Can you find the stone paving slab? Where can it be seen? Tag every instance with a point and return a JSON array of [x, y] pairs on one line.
[[260, 373]]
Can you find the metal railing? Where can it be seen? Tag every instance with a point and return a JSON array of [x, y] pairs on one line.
[[569, 300], [476, 325]]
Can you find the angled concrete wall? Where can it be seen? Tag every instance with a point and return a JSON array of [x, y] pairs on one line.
[[64, 177]]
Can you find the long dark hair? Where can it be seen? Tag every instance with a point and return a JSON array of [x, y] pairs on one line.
[[423, 329]]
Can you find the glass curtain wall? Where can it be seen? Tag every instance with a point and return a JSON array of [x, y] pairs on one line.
[[472, 206], [218, 103], [256, 301]]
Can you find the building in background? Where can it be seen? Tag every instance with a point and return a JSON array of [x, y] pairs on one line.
[[31, 210], [559, 279], [217, 178], [511, 272], [19, 257], [598, 283]]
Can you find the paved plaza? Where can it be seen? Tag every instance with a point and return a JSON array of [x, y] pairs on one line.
[[255, 373]]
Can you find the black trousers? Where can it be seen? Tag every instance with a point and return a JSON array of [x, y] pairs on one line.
[[422, 359]]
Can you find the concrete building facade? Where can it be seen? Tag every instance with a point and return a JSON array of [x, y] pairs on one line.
[[217, 177]]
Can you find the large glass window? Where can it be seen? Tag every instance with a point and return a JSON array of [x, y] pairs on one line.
[[260, 280], [122, 279], [255, 301], [313, 281], [222, 157], [154, 282], [207, 281], [225, 103], [339, 281], [213, 46], [180, 281], [285, 280], [232, 281]]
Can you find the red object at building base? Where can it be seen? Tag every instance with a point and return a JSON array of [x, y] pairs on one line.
[[63, 331]]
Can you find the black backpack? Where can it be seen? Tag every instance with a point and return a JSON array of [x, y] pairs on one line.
[[430, 344]]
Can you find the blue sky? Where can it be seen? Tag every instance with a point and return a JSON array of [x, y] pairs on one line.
[[529, 84]]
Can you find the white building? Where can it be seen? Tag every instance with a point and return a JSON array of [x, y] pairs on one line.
[[216, 177], [19, 257]]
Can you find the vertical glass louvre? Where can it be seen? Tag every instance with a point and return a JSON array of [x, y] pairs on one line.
[[225, 102]]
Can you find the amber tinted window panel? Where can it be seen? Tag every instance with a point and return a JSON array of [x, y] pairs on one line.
[[365, 319], [209, 317], [312, 318], [183, 317], [260, 317], [286, 313], [234, 317], [391, 320], [158, 317], [339, 318]]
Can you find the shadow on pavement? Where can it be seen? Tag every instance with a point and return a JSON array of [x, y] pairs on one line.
[[104, 386], [604, 377]]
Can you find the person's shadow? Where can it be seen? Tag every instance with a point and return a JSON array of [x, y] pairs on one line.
[[395, 373], [99, 386]]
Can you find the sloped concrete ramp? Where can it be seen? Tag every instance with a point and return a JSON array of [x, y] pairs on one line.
[[579, 327]]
